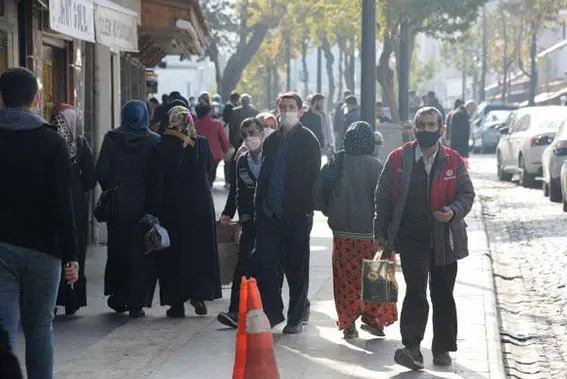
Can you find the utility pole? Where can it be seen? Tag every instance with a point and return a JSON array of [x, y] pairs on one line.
[[288, 60], [404, 65], [319, 70], [464, 75], [484, 56], [368, 63]]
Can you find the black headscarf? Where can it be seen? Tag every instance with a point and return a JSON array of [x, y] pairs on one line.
[[358, 140]]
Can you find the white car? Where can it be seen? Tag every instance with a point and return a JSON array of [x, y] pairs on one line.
[[524, 136], [552, 160]]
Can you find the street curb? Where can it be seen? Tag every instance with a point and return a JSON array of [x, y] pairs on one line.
[[492, 314]]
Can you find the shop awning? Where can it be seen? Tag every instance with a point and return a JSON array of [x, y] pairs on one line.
[[116, 26]]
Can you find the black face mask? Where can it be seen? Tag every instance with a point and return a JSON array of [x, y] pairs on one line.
[[427, 139]]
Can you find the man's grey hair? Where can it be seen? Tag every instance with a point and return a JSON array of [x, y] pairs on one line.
[[428, 111], [246, 99]]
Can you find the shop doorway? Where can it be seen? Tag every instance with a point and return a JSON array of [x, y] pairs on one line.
[[4, 51], [54, 78]]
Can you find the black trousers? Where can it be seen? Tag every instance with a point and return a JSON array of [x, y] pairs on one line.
[[285, 241], [243, 265], [418, 267], [212, 173]]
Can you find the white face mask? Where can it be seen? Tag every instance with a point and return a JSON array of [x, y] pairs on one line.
[[289, 119], [268, 131], [253, 143]]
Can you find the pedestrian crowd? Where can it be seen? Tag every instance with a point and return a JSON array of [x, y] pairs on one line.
[[156, 172]]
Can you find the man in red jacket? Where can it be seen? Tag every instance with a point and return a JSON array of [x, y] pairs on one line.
[[422, 198], [212, 128]]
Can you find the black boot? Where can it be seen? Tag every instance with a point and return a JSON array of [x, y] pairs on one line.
[[115, 305], [176, 311], [200, 307]]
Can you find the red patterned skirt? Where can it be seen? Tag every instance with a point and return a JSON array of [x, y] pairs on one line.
[[348, 254]]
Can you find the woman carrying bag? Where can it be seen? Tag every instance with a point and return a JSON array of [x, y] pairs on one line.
[[345, 193]]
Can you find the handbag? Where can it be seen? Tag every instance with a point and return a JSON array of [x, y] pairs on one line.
[[379, 283], [105, 209], [156, 237]]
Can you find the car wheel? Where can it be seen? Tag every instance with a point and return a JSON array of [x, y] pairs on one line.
[[502, 175], [555, 192], [526, 180], [545, 188]]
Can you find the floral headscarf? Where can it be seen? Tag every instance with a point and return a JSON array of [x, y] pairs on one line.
[[64, 119], [181, 125]]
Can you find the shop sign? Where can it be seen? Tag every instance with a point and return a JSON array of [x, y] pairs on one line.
[[74, 18], [116, 29]]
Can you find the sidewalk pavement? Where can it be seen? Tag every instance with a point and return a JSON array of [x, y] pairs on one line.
[[99, 345]]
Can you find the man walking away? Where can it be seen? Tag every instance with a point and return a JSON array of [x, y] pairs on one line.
[[422, 198], [239, 114], [432, 101], [313, 120], [284, 214], [449, 119], [36, 220], [339, 119], [352, 115], [460, 130]]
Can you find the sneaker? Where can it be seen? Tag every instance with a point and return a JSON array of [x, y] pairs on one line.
[[350, 333], [409, 358], [293, 329], [228, 318], [200, 307], [442, 359]]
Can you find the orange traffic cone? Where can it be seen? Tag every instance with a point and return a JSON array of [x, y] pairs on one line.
[[255, 356], [240, 356]]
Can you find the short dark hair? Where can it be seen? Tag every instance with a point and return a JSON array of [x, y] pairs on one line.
[[153, 100], [317, 97], [429, 110], [18, 87], [234, 96], [292, 96], [458, 103], [204, 109], [351, 100], [174, 94], [164, 98], [379, 104], [251, 121]]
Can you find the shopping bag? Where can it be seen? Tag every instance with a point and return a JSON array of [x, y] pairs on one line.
[[379, 283], [156, 236]]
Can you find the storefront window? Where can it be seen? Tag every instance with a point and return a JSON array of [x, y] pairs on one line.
[[54, 79], [3, 51]]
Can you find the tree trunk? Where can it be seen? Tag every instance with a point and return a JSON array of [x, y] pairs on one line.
[[348, 71], [385, 77], [213, 53], [304, 46], [239, 60], [340, 74], [329, 61]]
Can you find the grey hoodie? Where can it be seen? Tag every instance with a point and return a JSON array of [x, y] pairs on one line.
[[19, 120]]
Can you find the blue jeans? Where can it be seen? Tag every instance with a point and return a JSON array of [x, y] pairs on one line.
[[29, 281]]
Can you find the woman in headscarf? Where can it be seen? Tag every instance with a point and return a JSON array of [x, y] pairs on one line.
[[180, 197], [83, 179], [349, 183], [123, 164]]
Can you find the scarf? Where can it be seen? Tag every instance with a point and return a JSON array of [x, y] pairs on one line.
[[64, 120], [135, 115], [181, 126]]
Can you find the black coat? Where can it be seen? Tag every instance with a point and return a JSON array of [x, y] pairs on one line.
[[124, 162], [459, 132], [180, 197], [83, 180], [314, 122], [303, 163]]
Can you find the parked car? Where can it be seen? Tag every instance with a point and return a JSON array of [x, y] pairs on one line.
[[552, 160], [485, 136], [564, 185], [524, 136]]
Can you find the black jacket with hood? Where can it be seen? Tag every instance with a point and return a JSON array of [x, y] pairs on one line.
[[36, 209]]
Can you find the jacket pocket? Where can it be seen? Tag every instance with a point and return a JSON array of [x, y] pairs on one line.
[[458, 239]]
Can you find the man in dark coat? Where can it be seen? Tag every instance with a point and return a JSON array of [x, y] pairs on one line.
[[284, 214], [352, 115], [339, 119], [313, 120], [422, 198], [459, 130], [240, 114], [448, 120], [229, 107]]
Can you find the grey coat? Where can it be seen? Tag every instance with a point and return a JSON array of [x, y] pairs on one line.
[[450, 239], [351, 206]]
